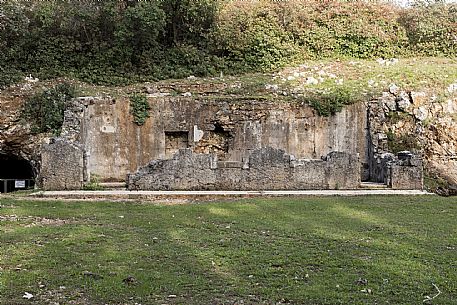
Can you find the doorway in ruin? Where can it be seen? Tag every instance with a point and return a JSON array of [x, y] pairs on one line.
[[16, 173]]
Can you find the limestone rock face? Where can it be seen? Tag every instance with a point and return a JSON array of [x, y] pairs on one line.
[[16, 137], [403, 101], [19, 142], [420, 122]]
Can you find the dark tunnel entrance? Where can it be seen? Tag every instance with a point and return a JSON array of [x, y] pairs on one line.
[[16, 173]]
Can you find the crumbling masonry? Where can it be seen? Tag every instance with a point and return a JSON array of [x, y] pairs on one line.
[[211, 143]]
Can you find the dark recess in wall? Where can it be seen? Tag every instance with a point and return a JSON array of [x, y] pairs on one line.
[[15, 168]]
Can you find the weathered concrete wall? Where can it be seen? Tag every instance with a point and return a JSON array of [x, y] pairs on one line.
[[114, 145], [218, 144], [264, 169], [406, 178], [61, 166], [229, 127], [405, 172]]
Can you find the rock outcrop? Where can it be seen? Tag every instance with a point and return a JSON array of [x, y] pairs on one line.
[[16, 138], [421, 122]]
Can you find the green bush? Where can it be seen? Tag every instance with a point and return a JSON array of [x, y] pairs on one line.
[[93, 184], [139, 108], [431, 28], [248, 33], [9, 76], [13, 26], [189, 21], [116, 42], [45, 110], [332, 101], [402, 142], [343, 28]]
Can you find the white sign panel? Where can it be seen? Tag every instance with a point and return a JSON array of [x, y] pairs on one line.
[[19, 184]]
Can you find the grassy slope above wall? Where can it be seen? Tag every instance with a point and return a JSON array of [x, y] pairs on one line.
[[349, 81], [327, 85]]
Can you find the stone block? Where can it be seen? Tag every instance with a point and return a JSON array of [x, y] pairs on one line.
[[229, 164], [62, 166], [406, 177]]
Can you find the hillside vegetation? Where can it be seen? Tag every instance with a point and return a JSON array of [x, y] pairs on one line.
[[120, 42]]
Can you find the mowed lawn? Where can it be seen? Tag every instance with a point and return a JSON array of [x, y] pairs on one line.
[[333, 250]]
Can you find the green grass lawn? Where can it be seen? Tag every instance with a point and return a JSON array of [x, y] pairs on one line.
[[363, 250]]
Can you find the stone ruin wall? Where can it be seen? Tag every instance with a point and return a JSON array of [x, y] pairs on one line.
[[62, 166], [226, 144], [264, 169], [101, 132], [229, 128]]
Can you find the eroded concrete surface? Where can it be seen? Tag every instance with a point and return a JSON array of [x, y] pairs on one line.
[[229, 128]]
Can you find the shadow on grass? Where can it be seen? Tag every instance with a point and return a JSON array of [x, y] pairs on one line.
[[298, 251]]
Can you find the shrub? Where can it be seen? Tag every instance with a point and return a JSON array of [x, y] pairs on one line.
[[13, 26], [248, 33], [402, 142], [45, 110], [431, 28], [9, 76], [116, 42], [331, 101], [93, 184], [139, 108], [189, 21], [350, 28]]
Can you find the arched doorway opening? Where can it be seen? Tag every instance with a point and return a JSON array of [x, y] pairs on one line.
[[16, 173]]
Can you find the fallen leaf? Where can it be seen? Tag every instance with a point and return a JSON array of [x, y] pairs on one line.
[[27, 295]]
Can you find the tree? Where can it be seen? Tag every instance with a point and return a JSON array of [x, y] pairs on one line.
[[188, 21]]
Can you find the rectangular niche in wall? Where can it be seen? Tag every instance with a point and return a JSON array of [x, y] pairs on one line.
[[174, 141], [217, 141]]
